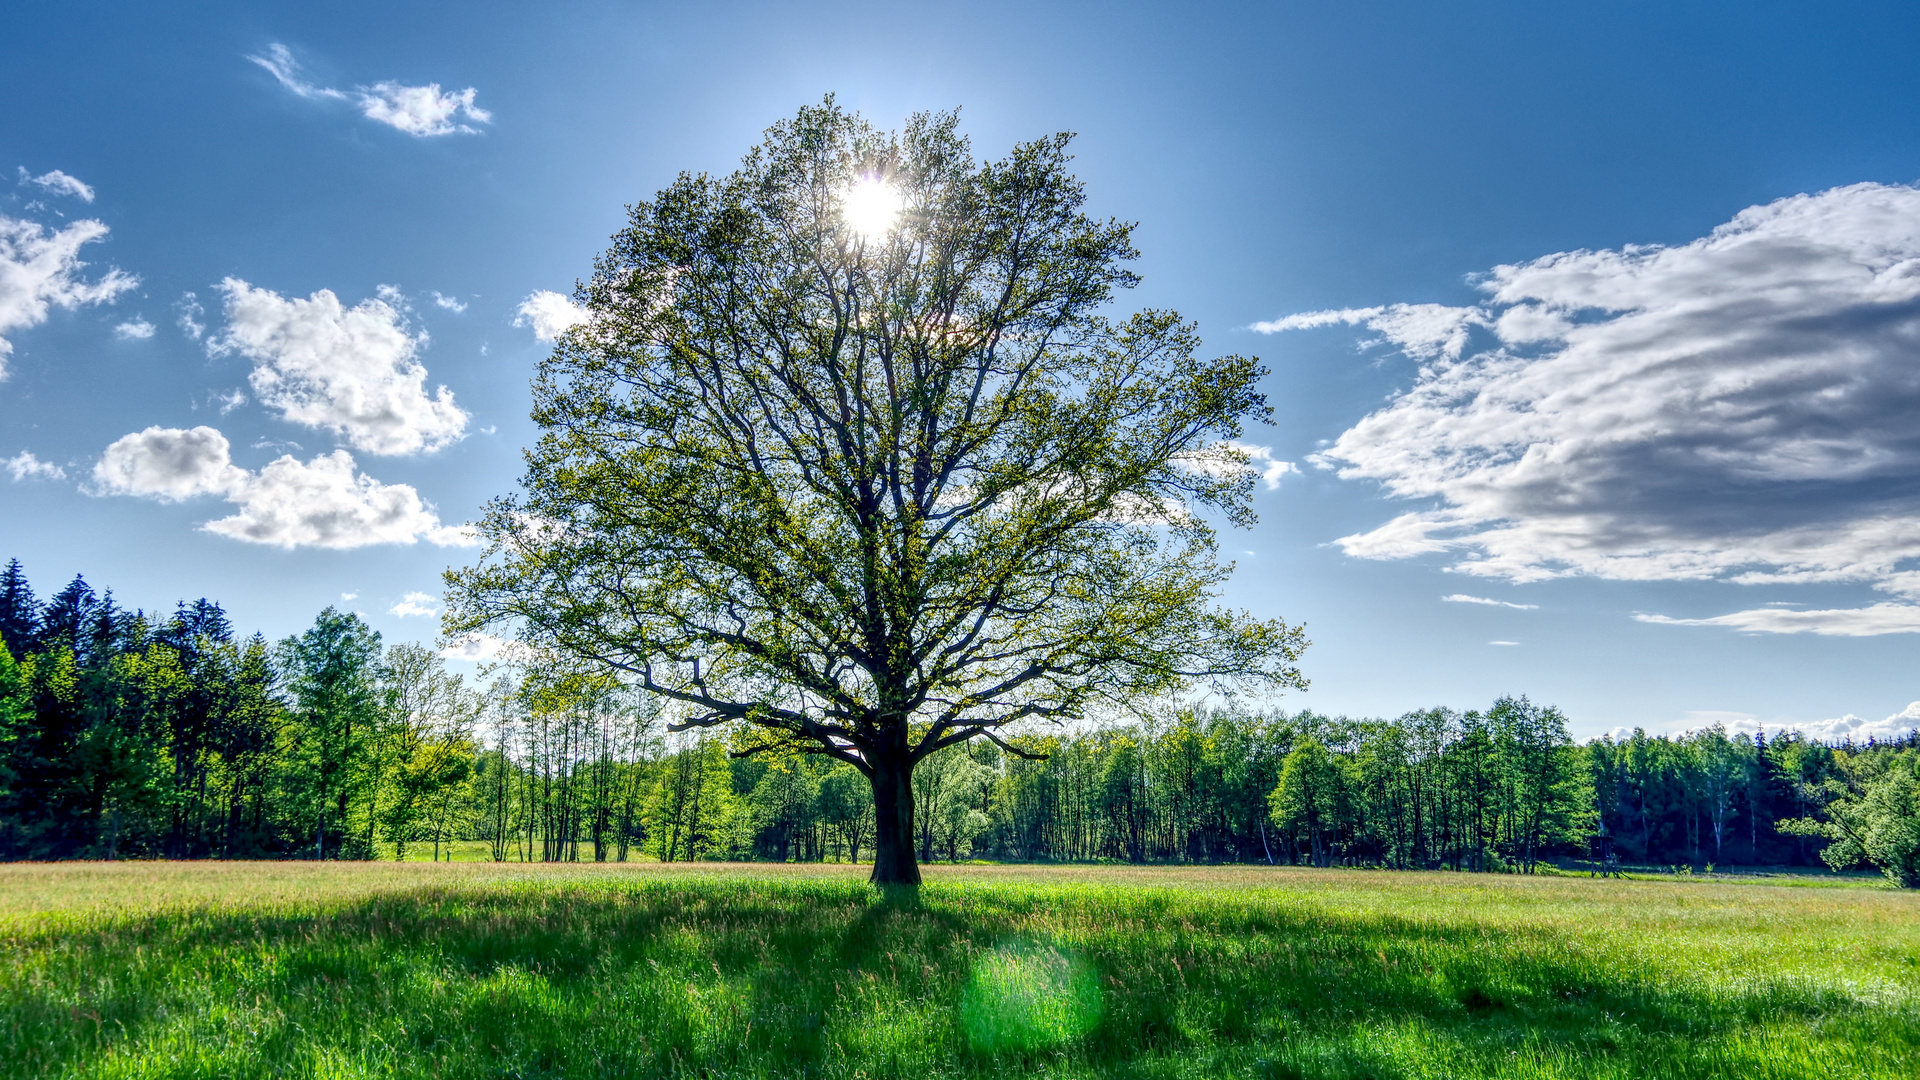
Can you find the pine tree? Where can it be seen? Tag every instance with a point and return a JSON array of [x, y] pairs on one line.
[[19, 612]]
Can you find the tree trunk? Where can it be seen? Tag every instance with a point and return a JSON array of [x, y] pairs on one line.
[[893, 838]]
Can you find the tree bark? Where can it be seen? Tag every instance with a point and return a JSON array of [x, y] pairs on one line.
[[893, 839]]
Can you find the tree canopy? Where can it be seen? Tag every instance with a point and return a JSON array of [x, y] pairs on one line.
[[849, 447]]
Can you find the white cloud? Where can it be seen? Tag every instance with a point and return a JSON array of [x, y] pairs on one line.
[[1421, 330], [286, 70], [348, 370], [24, 466], [481, 648], [230, 400], [1870, 621], [549, 313], [60, 183], [1503, 643], [134, 330], [1834, 730], [326, 503], [321, 503], [190, 314], [452, 304], [422, 110], [169, 464], [1738, 408], [417, 110], [1463, 598], [349, 597], [415, 603], [40, 270], [1233, 458]]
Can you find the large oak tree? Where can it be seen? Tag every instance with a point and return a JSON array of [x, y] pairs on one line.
[[850, 448]]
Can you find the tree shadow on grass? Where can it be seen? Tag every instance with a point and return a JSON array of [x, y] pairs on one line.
[[829, 979]]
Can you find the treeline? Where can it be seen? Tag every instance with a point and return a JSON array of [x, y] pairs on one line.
[[128, 735]]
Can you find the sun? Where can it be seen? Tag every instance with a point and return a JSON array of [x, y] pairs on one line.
[[871, 206]]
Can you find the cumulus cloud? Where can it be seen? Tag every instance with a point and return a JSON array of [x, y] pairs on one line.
[[134, 330], [24, 466], [59, 183], [422, 110], [1738, 408], [1463, 598], [325, 502], [415, 603], [452, 304], [417, 110], [549, 313], [169, 464], [1836, 729], [41, 270], [351, 371]]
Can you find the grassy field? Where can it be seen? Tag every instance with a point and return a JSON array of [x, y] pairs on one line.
[[477, 970]]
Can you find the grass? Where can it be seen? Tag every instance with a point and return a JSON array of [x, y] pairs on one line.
[[479, 970]]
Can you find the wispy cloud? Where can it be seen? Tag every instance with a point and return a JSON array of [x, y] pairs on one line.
[[41, 270], [190, 315], [134, 330], [1463, 598], [1870, 621], [416, 604], [59, 183], [453, 304], [279, 62]]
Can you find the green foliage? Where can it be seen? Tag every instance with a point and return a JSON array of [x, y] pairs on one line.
[[879, 494], [171, 738], [695, 814], [330, 675], [1312, 796], [1872, 816]]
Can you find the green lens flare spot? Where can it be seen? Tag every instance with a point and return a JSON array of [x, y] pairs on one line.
[[1028, 998]]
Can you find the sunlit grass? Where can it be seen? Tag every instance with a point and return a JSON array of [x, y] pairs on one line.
[[468, 969]]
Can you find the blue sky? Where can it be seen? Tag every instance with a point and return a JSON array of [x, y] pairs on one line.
[[1684, 471]]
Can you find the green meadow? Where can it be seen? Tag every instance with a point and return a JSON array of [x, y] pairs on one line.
[[488, 970]]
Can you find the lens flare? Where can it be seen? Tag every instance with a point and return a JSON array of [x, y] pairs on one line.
[[1025, 997], [871, 206]]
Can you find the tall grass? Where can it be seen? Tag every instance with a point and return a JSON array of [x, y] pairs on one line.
[[459, 970]]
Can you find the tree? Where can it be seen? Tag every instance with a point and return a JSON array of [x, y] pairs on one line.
[[19, 612], [331, 672], [1311, 798], [1548, 801], [846, 449], [1872, 816]]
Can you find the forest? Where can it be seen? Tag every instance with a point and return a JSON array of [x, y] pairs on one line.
[[125, 735]]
